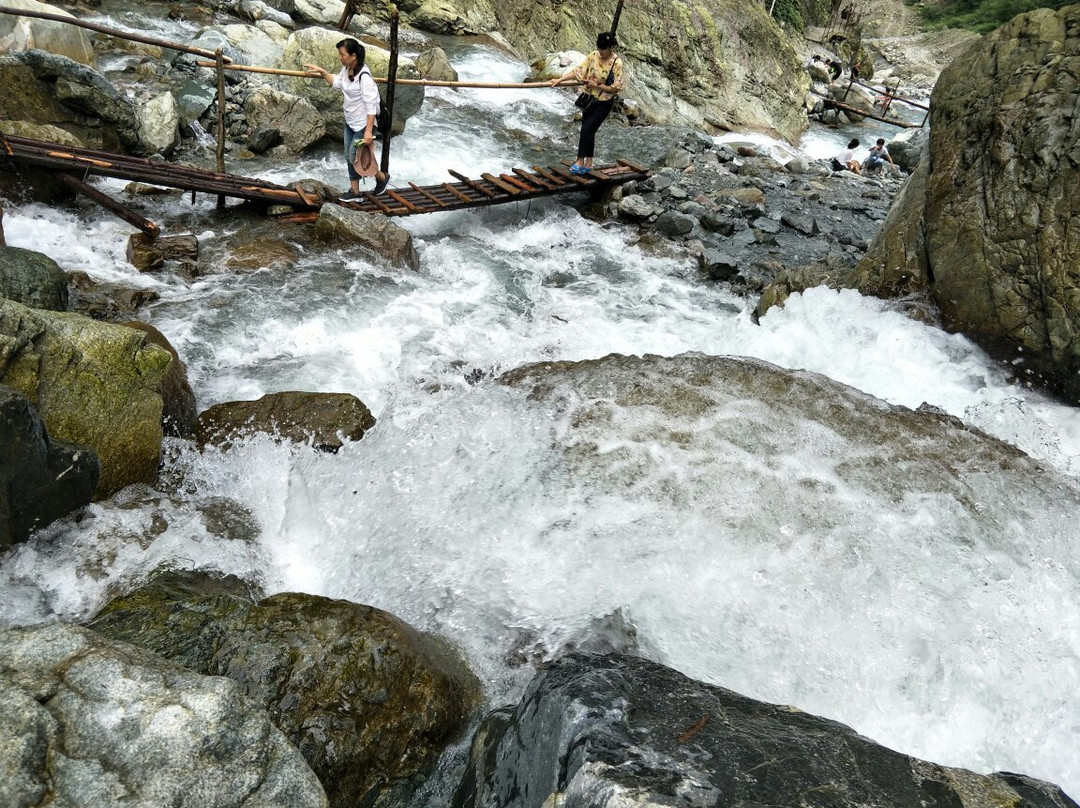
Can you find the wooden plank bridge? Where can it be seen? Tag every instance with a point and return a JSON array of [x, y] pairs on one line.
[[487, 190]]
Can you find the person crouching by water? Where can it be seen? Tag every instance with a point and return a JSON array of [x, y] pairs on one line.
[[846, 159], [602, 74], [361, 112]]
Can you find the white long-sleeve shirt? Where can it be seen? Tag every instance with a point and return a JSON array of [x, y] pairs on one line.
[[361, 97]]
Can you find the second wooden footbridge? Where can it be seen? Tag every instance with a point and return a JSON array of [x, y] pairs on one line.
[[72, 165]]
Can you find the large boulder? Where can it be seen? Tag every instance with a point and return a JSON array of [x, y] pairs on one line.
[[716, 64], [908, 147], [999, 212], [621, 730], [28, 33], [178, 411], [87, 722], [94, 384], [40, 479], [159, 125], [41, 88], [434, 65], [323, 419], [458, 17], [253, 45], [369, 701], [373, 232], [32, 279], [299, 123], [318, 46]]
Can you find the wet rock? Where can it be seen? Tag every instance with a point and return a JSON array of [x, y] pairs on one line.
[[32, 278], [369, 701], [806, 225], [433, 64], [718, 266], [264, 138], [256, 10], [718, 223], [106, 301], [87, 722], [635, 208], [908, 147], [298, 121], [797, 165], [266, 252], [834, 271], [94, 384], [674, 224], [193, 99], [159, 121], [458, 18], [40, 479], [146, 254], [376, 234], [324, 420], [178, 412], [606, 730]]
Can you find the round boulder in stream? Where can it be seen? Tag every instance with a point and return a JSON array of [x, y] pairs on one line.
[[369, 701], [611, 730], [86, 722]]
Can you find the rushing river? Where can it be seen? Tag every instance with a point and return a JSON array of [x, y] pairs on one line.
[[451, 513]]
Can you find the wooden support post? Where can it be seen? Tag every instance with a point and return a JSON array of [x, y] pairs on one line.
[[347, 14], [391, 83], [131, 217], [220, 57]]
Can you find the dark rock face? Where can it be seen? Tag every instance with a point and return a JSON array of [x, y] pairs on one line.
[[86, 722], [40, 480], [33, 279], [321, 418], [369, 701], [1000, 208], [607, 730]]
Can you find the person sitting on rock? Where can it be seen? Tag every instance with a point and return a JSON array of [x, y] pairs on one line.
[[875, 161], [836, 68], [845, 161]]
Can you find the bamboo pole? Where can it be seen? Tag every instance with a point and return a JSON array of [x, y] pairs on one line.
[[116, 32], [618, 13], [391, 83], [484, 85], [221, 120]]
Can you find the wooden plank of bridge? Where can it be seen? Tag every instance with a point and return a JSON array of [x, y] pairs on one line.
[[548, 175], [375, 200], [562, 172], [425, 193], [498, 183], [535, 179], [471, 183], [457, 193], [70, 156], [631, 166], [401, 200], [517, 182]]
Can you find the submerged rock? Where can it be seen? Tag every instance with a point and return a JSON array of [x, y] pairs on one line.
[[87, 722], [323, 419], [40, 479], [369, 701], [620, 730]]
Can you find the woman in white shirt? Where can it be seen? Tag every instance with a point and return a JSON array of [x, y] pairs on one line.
[[361, 109]]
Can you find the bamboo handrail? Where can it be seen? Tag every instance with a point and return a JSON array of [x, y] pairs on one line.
[[116, 32], [480, 85]]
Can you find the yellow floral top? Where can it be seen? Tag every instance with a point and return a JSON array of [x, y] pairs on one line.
[[592, 69]]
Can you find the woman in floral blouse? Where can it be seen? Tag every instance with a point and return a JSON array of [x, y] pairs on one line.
[[602, 74]]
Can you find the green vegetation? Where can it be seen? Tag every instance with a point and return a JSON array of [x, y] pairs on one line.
[[980, 16], [787, 13]]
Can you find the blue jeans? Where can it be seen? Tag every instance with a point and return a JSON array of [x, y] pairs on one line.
[[350, 136]]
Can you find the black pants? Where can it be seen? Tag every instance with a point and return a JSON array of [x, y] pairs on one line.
[[591, 119]]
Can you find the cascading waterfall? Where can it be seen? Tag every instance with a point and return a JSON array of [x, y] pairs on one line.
[[935, 633]]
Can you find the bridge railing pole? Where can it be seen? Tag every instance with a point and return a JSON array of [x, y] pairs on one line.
[[221, 119], [391, 84]]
